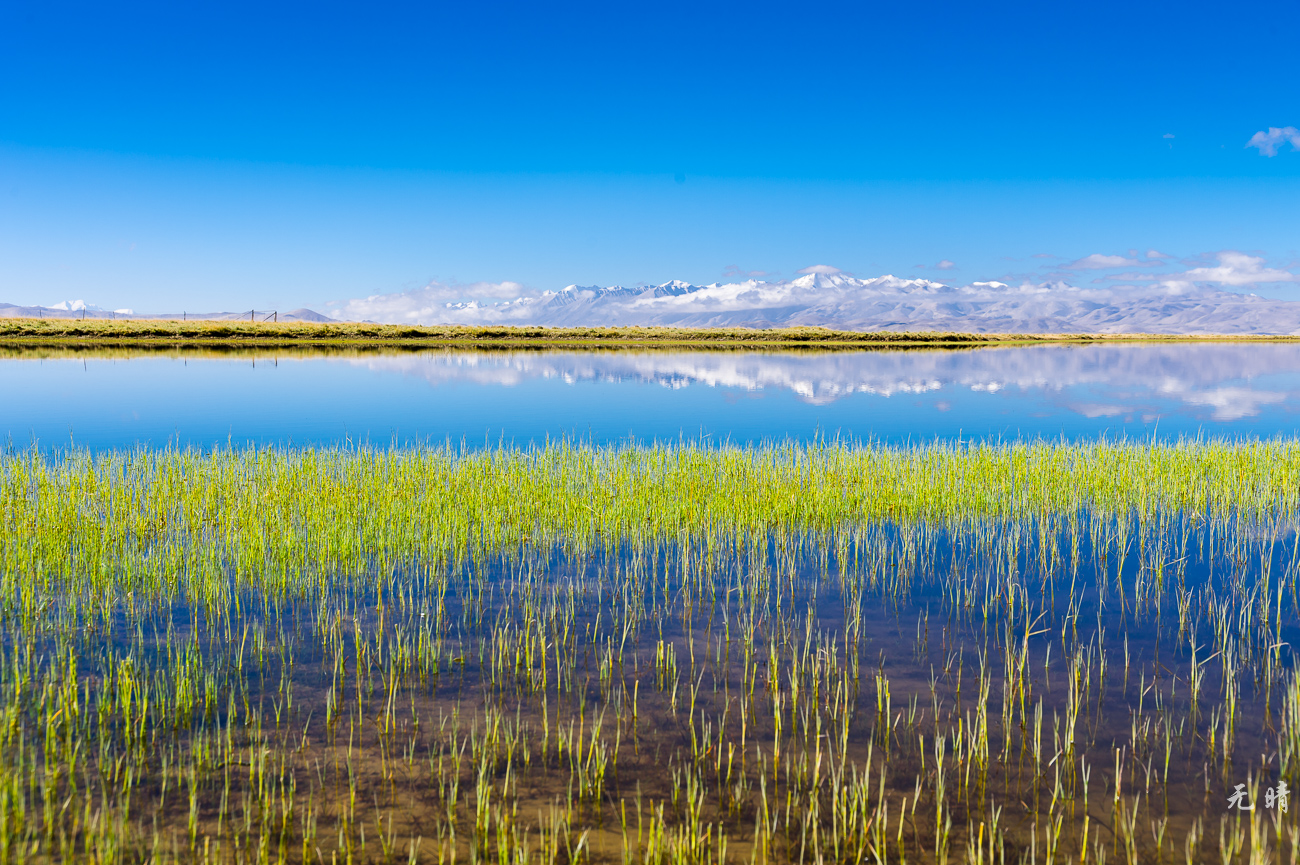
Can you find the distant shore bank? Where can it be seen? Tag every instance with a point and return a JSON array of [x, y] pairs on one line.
[[18, 331]]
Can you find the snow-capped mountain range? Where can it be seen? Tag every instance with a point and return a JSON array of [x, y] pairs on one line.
[[1124, 294], [840, 301]]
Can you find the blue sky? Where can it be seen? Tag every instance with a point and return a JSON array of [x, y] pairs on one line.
[[167, 156]]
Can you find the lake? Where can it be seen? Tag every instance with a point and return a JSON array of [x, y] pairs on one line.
[[746, 657], [202, 398]]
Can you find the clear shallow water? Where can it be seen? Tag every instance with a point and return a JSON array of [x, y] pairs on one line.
[[201, 399]]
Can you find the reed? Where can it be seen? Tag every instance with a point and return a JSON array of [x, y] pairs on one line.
[[437, 655]]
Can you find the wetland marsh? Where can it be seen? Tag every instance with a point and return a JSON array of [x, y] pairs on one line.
[[809, 653]]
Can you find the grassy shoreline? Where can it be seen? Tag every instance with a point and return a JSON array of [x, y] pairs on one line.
[[142, 332]]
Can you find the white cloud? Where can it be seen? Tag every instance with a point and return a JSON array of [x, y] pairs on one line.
[[1234, 403], [1099, 410], [945, 265], [436, 303], [1236, 268], [821, 268], [1097, 261], [1268, 142], [1186, 302]]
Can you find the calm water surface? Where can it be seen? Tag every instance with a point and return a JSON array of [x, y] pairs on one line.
[[201, 399]]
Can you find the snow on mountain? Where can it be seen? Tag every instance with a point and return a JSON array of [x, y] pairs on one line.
[[844, 302], [82, 306]]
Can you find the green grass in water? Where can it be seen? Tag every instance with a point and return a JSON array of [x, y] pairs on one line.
[[1039, 652]]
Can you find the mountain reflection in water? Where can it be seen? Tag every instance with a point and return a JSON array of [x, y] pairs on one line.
[[1222, 382], [485, 398]]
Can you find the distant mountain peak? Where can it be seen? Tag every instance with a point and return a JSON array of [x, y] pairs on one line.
[[838, 300]]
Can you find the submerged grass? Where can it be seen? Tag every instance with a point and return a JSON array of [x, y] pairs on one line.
[[1022, 653]]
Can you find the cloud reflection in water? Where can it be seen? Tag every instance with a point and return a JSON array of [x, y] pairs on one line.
[[1218, 382]]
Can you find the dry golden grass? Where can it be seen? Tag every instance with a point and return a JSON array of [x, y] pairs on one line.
[[141, 332]]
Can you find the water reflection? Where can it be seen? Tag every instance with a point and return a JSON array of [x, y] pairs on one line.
[[206, 398], [1222, 382]]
